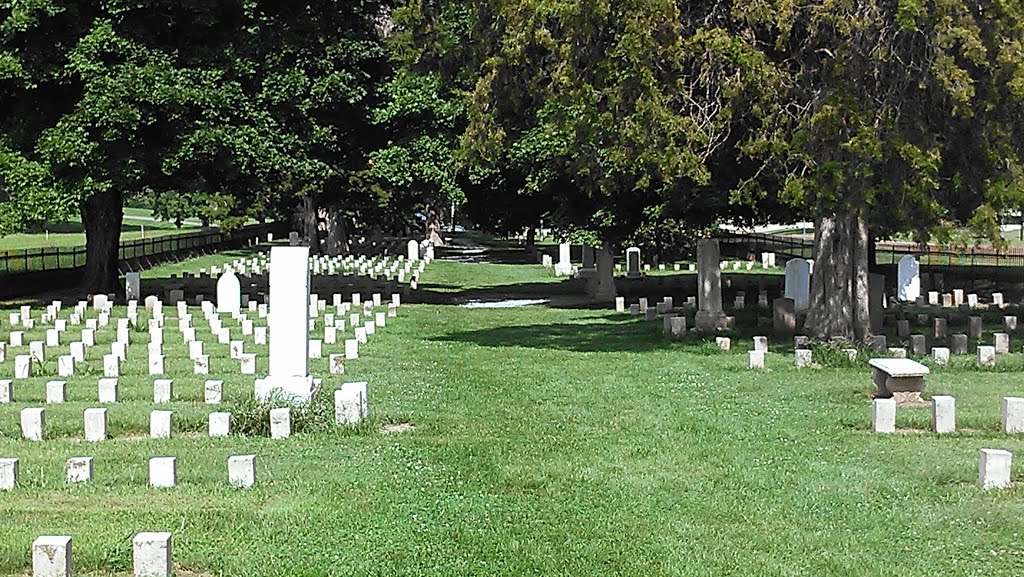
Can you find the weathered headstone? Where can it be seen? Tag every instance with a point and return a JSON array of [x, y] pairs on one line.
[[883, 415], [986, 356], [633, 262], [959, 344], [710, 317], [242, 471], [33, 423], [351, 403], [943, 414], [51, 556], [994, 468], [755, 359], [151, 555], [798, 283], [918, 345], [1013, 415], [784, 316], [79, 470], [95, 425], [802, 358], [132, 286], [9, 469], [675, 327], [280, 423], [1001, 343], [160, 424], [974, 328]]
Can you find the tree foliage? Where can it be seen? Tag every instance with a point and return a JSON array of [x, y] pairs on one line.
[[223, 110]]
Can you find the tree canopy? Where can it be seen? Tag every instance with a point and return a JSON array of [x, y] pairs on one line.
[[649, 121]]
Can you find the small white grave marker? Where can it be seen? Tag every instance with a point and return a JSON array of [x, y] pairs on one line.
[[242, 471], [79, 470], [33, 421], [163, 471], [280, 423], [8, 474], [220, 424], [51, 556], [160, 424], [994, 469], [151, 555], [95, 425]]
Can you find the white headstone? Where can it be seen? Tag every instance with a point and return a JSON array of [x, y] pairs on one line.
[[51, 556], [33, 422], [1013, 415], [908, 282], [151, 554], [108, 391], [8, 474], [242, 471], [56, 391], [280, 423], [163, 390], [229, 293], [943, 414], [289, 325], [351, 403], [213, 392], [160, 424], [994, 469], [883, 415], [564, 265], [220, 424], [79, 470], [755, 359]]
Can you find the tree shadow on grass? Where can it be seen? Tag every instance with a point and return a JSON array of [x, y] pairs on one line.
[[585, 337]]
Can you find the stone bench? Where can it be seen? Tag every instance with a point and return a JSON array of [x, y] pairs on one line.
[[902, 379]]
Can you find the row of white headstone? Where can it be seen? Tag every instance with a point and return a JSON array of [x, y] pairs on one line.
[[163, 471], [108, 391], [351, 407], [151, 556]]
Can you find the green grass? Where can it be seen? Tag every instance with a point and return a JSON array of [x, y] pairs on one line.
[[547, 442], [71, 234]]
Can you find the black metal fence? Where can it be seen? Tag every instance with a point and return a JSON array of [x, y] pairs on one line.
[[134, 251], [888, 252]]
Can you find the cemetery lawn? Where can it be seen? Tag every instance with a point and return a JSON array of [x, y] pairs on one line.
[[546, 441]]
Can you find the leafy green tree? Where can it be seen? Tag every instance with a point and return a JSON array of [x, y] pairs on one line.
[[888, 117], [613, 111], [223, 110], [423, 113]]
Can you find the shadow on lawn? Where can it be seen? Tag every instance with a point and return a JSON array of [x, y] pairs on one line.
[[585, 337]]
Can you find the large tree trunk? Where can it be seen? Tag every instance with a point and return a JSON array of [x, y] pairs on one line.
[[337, 232], [839, 285], [531, 238], [102, 214], [309, 224]]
